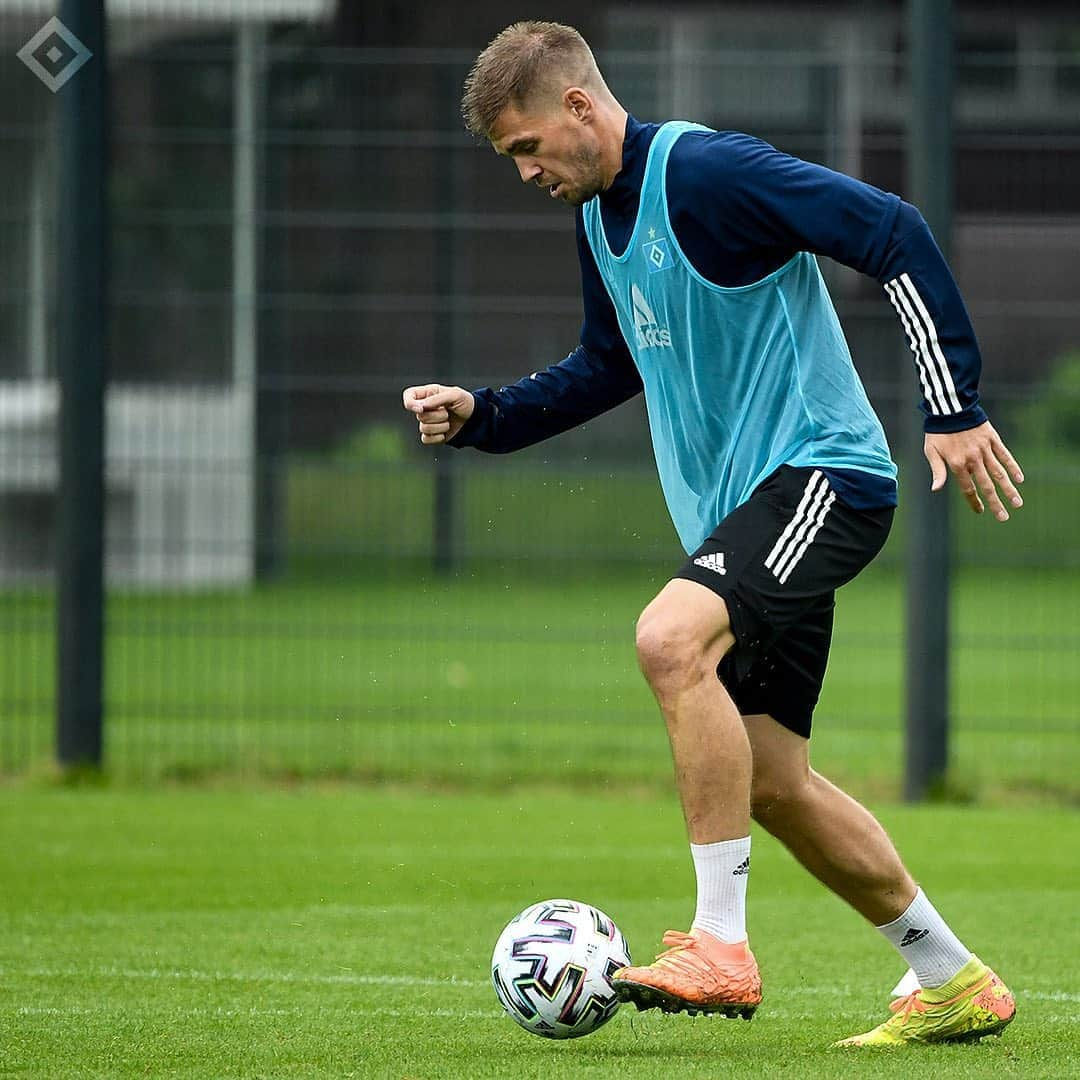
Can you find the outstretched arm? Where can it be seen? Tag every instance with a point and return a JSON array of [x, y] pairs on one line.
[[783, 204], [959, 437]]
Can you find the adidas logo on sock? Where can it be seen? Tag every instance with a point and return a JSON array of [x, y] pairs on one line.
[[744, 868], [714, 562], [912, 936]]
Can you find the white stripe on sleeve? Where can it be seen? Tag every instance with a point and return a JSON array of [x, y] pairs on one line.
[[893, 291], [935, 393], [929, 347], [935, 345]]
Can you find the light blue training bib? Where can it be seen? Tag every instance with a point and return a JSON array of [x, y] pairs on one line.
[[738, 381]]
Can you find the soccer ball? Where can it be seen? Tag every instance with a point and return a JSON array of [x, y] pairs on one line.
[[552, 968]]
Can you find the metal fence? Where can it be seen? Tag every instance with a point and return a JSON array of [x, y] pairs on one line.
[[296, 586]]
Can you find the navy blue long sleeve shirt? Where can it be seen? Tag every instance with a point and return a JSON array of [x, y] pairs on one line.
[[741, 209]]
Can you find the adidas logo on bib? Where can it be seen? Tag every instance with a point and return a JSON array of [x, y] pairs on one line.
[[649, 334]]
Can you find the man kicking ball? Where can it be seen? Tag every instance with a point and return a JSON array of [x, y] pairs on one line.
[[701, 288]]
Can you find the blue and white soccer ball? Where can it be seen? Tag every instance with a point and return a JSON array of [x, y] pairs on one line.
[[552, 968]]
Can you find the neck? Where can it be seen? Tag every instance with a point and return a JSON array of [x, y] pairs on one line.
[[612, 122]]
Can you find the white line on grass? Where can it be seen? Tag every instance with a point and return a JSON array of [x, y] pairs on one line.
[[360, 1013], [232, 1014], [344, 979], [353, 979], [245, 914]]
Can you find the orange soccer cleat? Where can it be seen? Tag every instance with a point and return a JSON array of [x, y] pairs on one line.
[[697, 974]]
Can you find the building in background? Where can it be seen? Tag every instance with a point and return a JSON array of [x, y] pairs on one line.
[[181, 432], [301, 227]]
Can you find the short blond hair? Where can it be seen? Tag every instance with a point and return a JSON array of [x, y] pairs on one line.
[[522, 62]]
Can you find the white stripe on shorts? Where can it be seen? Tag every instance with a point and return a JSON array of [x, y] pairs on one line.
[[818, 522], [802, 528]]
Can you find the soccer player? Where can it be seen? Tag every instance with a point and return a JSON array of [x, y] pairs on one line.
[[701, 288]]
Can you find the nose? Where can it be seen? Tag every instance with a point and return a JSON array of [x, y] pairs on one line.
[[528, 170]]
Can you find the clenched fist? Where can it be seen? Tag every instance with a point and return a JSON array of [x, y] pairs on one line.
[[440, 410]]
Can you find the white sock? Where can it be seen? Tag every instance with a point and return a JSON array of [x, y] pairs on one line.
[[722, 871], [923, 939]]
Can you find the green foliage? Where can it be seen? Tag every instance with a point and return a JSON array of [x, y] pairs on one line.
[[1051, 419], [374, 444], [340, 932]]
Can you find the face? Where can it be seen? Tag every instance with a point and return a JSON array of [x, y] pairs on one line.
[[553, 148]]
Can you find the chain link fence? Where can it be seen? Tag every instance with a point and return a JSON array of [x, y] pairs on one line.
[[296, 587]]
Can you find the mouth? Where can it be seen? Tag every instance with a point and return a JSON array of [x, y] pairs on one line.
[[553, 189]]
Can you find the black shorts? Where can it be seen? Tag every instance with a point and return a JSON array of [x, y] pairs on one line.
[[777, 561]]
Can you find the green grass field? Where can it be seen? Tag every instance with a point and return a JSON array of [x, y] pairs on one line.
[[195, 916], [336, 931], [496, 678]]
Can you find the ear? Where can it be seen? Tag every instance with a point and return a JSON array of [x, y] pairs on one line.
[[579, 103]]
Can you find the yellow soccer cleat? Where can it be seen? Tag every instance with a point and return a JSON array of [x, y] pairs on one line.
[[973, 1003], [697, 974]]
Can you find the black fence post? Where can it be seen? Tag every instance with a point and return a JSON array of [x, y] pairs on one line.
[[446, 327], [930, 187], [81, 334], [272, 360]]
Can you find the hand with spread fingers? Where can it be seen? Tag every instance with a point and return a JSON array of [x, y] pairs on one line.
[[982, 465], [441, 411]]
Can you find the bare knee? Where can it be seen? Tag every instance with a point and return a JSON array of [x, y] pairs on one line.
[[677, 648], [668, 653]]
